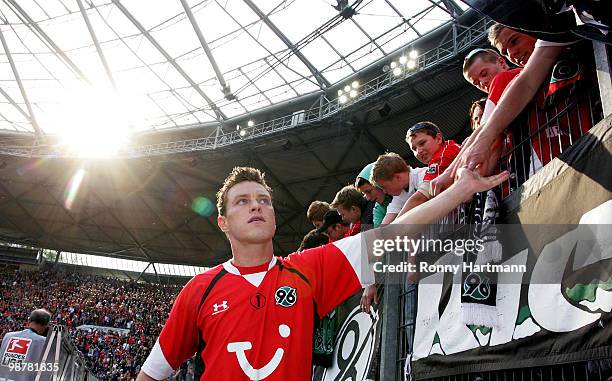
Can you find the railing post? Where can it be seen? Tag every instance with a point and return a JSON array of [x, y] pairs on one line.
[[389, 345], [603, 63], [454, 38]]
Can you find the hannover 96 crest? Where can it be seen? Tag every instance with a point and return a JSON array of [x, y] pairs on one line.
[[285, 296]]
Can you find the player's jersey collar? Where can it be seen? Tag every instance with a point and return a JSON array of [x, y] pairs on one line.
[[254, 278]]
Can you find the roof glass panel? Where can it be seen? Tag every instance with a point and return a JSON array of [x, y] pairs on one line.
[[337, 37], [376, 18], [255, 57]]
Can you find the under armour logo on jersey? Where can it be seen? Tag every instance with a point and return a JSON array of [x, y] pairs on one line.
[[220, 307]]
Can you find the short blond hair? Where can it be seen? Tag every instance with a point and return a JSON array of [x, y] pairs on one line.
[[237, 176], [386, 166], [486, 55], [494, 32]]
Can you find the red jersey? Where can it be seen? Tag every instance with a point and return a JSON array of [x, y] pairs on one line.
[[549, 134], [496, 90], [354, 230], [442, 159], [258, 326]]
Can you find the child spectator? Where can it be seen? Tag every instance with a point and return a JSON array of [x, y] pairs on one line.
[[546, 57], [488, 71], [313, 239], [353, 208], [392, 174], [429, 147], [316, 211], [333, 226], [481, 66], [476, 111]]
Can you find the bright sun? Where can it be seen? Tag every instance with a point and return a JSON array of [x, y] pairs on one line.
[[92, 122]]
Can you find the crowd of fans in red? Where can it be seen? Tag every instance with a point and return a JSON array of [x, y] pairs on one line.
[[75, 299]]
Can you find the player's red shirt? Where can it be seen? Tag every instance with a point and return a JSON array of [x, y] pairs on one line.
[[442, 159], [258, 325]]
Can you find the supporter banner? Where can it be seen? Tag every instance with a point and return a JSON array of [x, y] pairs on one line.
[[89, 327], [562, 316], [358, 335]]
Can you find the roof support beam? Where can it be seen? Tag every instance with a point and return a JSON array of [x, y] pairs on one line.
[[338, 53], [171, 90], [407, 21], [154, 269], [245, 30], [448, 8], [94, 38], [194, 23], [273, 68], [12, 101], [142, 272], [368, 36], [24, 94], [454, 9], [37, 231], [318, 158], [324, 83], [220, 115], [22, 14], [254, 84]]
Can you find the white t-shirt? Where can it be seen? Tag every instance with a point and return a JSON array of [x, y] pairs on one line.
[[416, 178], [543, 44]]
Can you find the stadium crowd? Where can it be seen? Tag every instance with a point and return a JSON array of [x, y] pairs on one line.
[[76, 299]]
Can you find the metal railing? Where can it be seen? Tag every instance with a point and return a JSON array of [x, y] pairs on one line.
[[541, 134]]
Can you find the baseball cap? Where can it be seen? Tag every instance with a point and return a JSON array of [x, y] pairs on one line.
[[330, 218]]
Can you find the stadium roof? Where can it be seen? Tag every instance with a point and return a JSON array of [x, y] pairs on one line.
[[73, 66], [156, 206]]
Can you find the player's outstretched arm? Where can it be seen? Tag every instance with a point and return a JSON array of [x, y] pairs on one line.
[[142, 376], [466, 184], [411, 223]]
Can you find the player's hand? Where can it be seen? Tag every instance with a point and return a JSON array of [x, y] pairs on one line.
[[369, 293], [477, 151], [471, 182], [440, 183]]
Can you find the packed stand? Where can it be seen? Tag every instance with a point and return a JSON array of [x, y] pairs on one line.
[[75, 299]]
